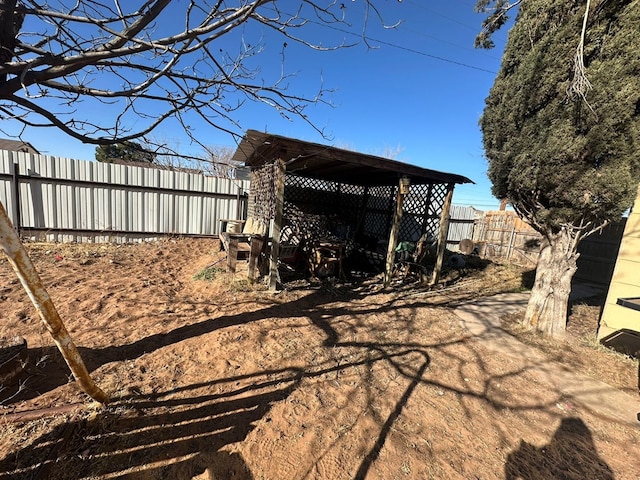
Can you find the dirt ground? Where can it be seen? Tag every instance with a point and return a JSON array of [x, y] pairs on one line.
[[213, 378]]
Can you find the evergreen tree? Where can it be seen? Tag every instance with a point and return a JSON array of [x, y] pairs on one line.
[[126, 151], [561, 131]]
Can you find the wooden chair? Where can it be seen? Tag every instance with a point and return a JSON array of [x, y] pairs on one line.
[[414, 262], [290, 246], [246, 245]]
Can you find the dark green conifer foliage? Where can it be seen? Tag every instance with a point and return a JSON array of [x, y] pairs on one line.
[[126, 151], [569, 163]]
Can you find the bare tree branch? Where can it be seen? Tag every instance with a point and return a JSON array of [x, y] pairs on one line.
[[498, 16], [141, 66]]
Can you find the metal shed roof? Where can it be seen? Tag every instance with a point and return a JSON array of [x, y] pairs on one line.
[[335, 164]]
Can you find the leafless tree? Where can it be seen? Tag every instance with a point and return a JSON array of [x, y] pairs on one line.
[[170, 154], [108, 71], [218, 162]]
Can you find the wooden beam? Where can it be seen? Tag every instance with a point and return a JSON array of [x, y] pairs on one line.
[[393, 237], [31, 415], [442, 234], [232, 254], [257, 242], [274, 276]]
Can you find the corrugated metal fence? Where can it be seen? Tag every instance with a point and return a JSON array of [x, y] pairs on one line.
[[461, 224], [61, 199]]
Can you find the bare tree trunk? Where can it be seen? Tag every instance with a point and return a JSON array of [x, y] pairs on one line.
[[10, 24], [26, 272], [548, 304]]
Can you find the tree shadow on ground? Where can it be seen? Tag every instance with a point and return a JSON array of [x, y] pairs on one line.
[[570, 455], [190, 425], [178, 436], [160, 437], [56, 373], [52, 372]]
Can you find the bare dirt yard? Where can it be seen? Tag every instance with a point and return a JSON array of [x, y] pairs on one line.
[[213, 378]]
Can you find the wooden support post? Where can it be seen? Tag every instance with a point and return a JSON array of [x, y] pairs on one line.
[[16, 196], [442, 234], [256, 242], [31, 282], [511, 241], [393, 237], [274, 276], [232, 254]]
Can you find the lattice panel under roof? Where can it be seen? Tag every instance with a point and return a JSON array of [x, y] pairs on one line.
[[262, 200], [434, 210], [311, 195], [416, 202], [356, 190], [379, 212], [375, 226], [323, 208], [381, 198], [413, 213], [310, 206], [319, 208]]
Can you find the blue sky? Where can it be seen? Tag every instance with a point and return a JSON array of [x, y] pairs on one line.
[[418, 93]]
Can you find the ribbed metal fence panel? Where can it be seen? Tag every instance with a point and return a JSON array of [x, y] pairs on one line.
[[6, 197], [62, 199], [461, 223]]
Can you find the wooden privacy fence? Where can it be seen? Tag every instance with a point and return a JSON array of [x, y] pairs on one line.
[[502, 235], [61, 199]]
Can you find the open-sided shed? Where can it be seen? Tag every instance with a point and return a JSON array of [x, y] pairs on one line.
[[371, 201]]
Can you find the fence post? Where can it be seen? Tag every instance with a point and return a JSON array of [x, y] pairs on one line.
[[281, 171], [16, 196], [238, 205], [511, 239]]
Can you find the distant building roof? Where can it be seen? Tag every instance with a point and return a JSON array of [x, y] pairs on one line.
[[17, 146]]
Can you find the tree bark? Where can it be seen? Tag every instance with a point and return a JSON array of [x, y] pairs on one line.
[[549, 301], [10, 24], [26, 272]]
